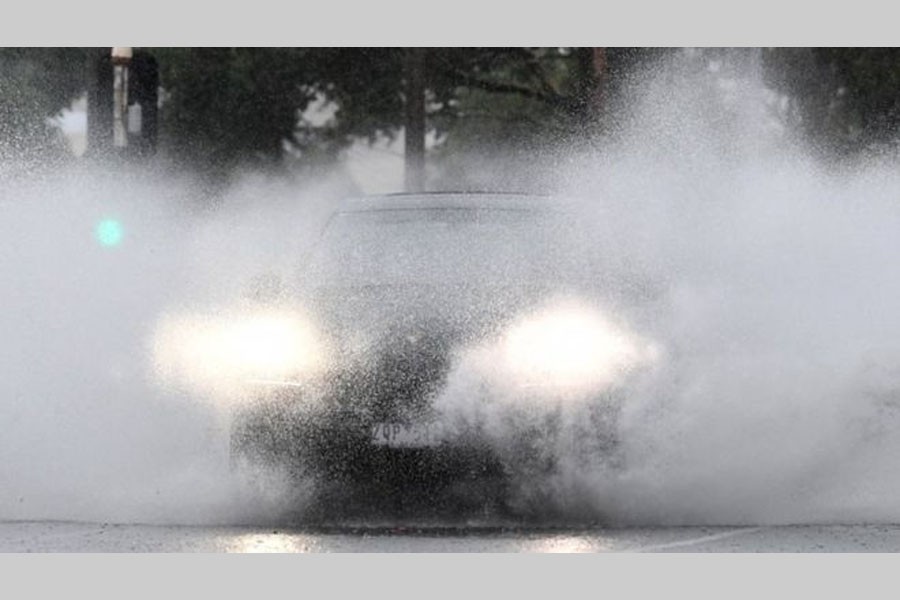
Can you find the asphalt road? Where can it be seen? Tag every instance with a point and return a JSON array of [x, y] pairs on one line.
[[54, 536]]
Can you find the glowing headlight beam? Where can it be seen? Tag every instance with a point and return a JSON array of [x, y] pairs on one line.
[[225, 350], [571, 346]]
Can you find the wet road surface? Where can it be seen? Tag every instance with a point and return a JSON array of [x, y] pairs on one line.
[[55, 536]]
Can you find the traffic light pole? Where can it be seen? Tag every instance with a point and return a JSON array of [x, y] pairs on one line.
[[100, 104], [136, 117]]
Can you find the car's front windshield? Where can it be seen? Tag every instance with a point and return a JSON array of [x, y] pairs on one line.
[[435, 246]]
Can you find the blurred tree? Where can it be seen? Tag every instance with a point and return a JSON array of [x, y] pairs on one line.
[[522, 110], [843, 100], [234, 106], [225, 107], [414, 126]]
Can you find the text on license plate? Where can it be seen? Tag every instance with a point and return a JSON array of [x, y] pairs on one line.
[[407, 435]]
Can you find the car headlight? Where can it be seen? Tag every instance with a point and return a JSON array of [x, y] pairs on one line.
[[227, 349], [571, 346]]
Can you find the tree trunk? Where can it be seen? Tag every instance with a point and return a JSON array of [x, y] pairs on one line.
[[415, 120], [600, 65], [592, 68], [143, 89]]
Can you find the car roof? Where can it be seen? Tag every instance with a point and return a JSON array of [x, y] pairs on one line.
[[451, 200]]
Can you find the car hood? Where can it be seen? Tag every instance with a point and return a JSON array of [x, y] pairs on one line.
[[395, 343], [458, 313]]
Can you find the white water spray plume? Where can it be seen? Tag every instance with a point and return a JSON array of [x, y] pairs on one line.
[[770, 348]]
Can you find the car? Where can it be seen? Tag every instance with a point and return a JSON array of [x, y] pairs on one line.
[[434, 355]]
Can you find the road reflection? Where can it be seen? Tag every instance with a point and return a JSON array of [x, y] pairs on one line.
[[51, 536], [268, 543], [408, 541], [565, 545]]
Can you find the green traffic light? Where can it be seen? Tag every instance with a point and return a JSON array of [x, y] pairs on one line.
[[109, 233]]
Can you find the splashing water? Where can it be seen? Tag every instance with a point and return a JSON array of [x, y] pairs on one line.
[[775, 337]]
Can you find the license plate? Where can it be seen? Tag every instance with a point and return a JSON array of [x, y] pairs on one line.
[[407, 435]]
